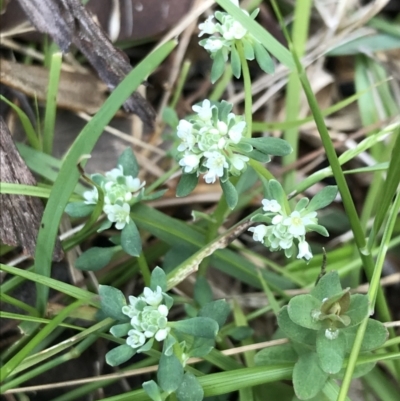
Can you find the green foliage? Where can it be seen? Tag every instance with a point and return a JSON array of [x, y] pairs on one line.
[[129, 163], [170, 373], [230, 193], [190, 389], [197, 327], [119, 355], [187, 183], [130, 239], [112, 300], [78, 209], [158, 279], [322, 327], [96, 258]]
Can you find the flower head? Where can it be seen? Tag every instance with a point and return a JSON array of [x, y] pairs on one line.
[[224, 34], [91, 197], [118, 214], [209, 142], [287, 231]]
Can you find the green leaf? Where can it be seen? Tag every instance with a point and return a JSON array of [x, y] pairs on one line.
[[168, 345], [235, 62], [218, 66], [152, 390], [375, 335], [187, 184], [230, 193], [129, 163], [276, 191], [263, 58], [95, 258], [259, 156], [190, 389], [78, 209], [26, 123], [328, 286], [155, 195], [201, 347], [323, 198], [217, 310], [130, 239], [112, 300], [366, 44], [240, 333], [270, 145], [294, 331], [202, 291], [301, 204], [120, 330], [358, 309], [283, 353], [248, 50], [321, 230], [197, 327], [224, 108], [146, 346], [359, 371], [170, 117], [170, 373], [105, 225], [331, 353], [300, 310], [119, 355], [158, 278], [308, 377]]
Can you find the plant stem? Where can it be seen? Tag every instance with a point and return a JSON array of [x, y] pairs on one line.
[[144, 269], [248, 100]]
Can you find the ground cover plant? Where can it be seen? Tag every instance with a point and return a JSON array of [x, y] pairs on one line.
[[242, 246]]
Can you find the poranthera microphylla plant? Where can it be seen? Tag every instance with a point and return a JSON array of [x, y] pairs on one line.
[[216, 145]]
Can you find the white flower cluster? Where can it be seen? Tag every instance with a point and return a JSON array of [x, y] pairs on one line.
[[285, 229], [209, 145], [118, 189], [148, 317]]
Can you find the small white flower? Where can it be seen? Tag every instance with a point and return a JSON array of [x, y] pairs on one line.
[[118, 214], [331, 334], [163, 310], [236, 132], [216, 163], [304, 250], [135, 338], [208, 26], [91, 197], [271, 205], [277, 219], [213, 45], [130, 310], [204, 111], [233, 30], [222, 127], [295, 224], [152, 298], [115, 173], [259, 232], [239, 161], [162, 334], [189, 162], [133, 184], [185, 133]]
